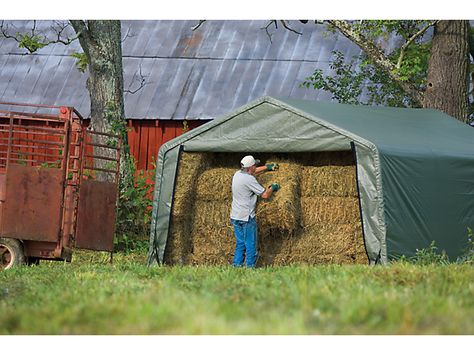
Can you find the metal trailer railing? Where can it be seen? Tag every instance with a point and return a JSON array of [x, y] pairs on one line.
[[58, 184]]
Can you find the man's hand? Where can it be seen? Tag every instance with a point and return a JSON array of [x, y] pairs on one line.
[[275, 187], [272, 167], [270, 190]]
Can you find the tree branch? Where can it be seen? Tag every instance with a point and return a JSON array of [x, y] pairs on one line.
[[4, 30], [198, 25], [83, 34], [34, 40], [266, 29], [127, 35], [275, 22], [404, 47], [141, 79], [378, 57], [289, 28], [59, 29]]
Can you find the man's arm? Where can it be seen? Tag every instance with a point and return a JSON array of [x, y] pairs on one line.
[[267, 193], [260, 169], [267, 167], [270, 190]]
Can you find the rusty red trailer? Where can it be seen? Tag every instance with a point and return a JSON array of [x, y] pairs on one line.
[[58, 184]]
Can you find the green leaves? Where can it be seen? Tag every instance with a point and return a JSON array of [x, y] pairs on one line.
[[350, 78], [415, 64], [345, 85], [30, 42], [134, 209], [384, 29], [82, 61], [430, 255]]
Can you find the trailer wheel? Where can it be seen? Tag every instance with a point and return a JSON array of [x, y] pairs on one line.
[[11, 253]]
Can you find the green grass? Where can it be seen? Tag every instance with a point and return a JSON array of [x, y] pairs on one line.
[[91, 296]]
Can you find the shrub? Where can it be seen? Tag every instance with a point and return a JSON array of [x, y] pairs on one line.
[[429, 256], [134, 211], [468, 256]]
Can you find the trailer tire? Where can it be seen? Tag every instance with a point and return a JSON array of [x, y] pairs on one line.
[[11, 253]]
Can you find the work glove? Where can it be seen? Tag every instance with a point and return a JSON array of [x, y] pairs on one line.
[[275, 187], [272, 167]]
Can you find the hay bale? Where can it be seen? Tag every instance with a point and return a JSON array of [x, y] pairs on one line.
[[215, 184], [212, 213], [274, 248], [329, 210], [340, 243], [212, 233], [178, 245], [329, 181], [282, 210], [189, 168]]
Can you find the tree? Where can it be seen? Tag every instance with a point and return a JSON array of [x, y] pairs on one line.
[[101, 42], [444, 76], [102, 46], [448, 69]]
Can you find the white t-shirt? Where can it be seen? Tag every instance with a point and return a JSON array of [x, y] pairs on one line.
[[245, 189]]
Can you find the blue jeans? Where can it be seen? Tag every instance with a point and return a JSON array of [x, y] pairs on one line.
[[246, 242]]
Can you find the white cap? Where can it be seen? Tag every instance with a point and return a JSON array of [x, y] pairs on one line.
[[248, 161]]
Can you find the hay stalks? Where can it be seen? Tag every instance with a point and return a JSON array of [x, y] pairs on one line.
[[323, 243], [178, 245], [282, 210], [189, 168], [215, 184], [313, 219], [329, 181], [329, 210]]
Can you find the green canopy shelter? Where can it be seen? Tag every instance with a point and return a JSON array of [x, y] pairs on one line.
[[415, 167]]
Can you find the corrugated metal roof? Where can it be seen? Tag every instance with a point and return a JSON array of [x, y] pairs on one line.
[[189, 75]]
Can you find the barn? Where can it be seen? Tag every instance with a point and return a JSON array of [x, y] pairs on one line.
[[414, 167], [174, 78]]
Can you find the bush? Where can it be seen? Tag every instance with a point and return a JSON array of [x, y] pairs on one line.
[[468, 256], [134, 211], [427, 256], [430, 255]]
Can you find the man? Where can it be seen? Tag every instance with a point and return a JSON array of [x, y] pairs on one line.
[[245, 189]]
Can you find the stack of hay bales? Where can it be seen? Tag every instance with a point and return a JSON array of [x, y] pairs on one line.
[[282, 211], [179, 243], [314, 217], [212, 231], [331, 226], [279, 217]]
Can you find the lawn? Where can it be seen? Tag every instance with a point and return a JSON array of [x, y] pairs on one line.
[[92, 296]]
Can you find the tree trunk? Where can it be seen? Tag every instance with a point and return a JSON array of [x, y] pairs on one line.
[[102, 44], [447, 80]]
